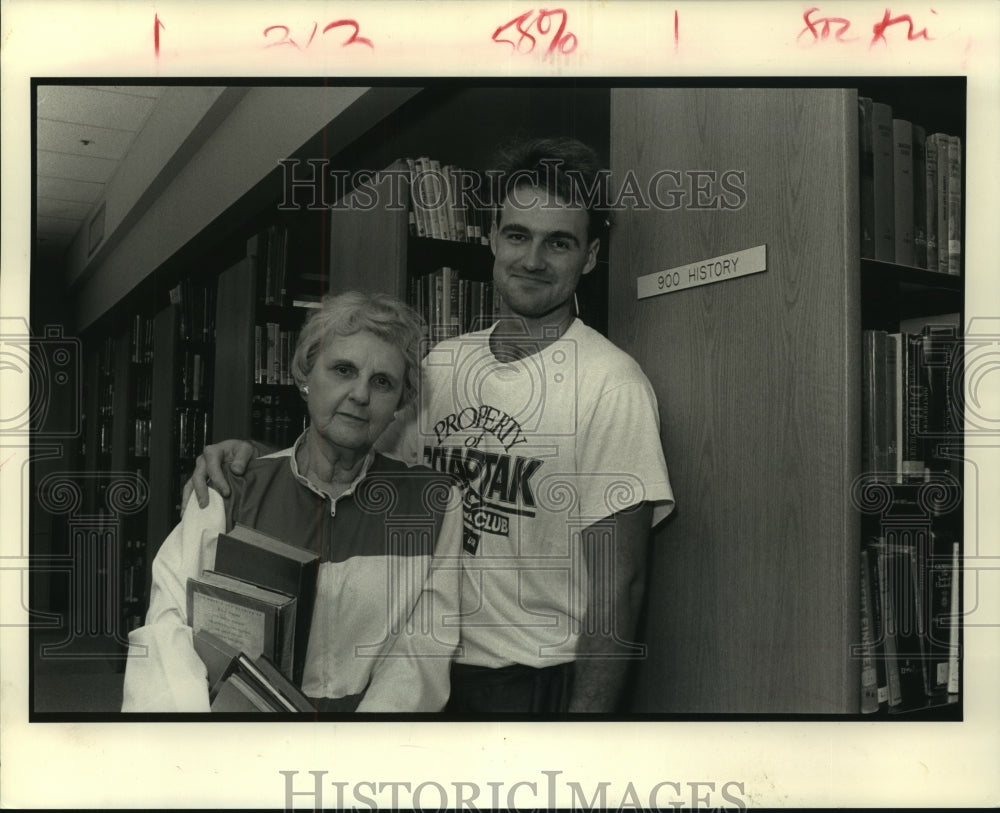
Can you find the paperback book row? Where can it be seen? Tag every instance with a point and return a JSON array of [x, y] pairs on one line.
[[448, 203], [911, 191], [250, 616], [910, 408], [195, 310], [274, 348], [909, 620], [451, 304], [277, 419]]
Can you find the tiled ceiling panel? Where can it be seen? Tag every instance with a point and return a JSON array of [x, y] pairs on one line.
[[65, 189], [82, 139], [107, 108], [75, 167], [83, 133]]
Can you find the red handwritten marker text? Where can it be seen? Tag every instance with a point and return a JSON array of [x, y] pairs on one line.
[[835, 28], [541, 22], [351, 31], [820, 28], [157, 25], [878, 30]]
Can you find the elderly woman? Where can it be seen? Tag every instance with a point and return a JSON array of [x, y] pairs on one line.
[[387, 536]]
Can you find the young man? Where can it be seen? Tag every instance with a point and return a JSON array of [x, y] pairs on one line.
[[554, 433]]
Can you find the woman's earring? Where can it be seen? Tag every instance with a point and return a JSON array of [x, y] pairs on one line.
[[305, 390]]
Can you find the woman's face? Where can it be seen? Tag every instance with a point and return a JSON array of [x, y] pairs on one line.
[[354, 388]]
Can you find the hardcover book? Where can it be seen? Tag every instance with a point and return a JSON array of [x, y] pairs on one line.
[[902, 190], [882, 174], [246, 616], [248, 554], [238, 683]]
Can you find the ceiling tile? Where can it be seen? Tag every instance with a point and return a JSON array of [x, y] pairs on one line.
[[57, 225], [52, 207], [64, 137], [74, 167], [65, 189], [101, 108]]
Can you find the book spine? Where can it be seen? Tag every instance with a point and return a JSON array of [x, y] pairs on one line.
[[882, 174], [866, 169], [902, 190], [953, 629], [893, 406], [416, 208], [428, 195], [906, 612], [915, 399], [458, 204], [938, 618], [954, 205], [942, 202], [919, 197], [258, 363], [893, 691], [273, 353], [870, 561], [930, 201], [869, 676], [284, 367], [448, 183]]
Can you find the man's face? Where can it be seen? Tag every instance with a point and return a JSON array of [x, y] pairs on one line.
[[540, 251]]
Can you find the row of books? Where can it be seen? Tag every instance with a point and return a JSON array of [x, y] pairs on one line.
[[268, 254], [106, 398], [909, 620], [277, 420], [193, 376], [911, 191], [274, 347], [195, 310], [141, 431], [104, 434], [251, 616], [452, 304], [142, 390], [141, 339], [448, 203], [191, 430], [910, 409]]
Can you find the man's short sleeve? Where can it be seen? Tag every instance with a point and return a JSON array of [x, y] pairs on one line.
[[620, 458]]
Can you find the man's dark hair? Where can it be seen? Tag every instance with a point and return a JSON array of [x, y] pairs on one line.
[[565, 167]]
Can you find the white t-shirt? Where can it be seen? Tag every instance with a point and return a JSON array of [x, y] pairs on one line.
[[545, 446]]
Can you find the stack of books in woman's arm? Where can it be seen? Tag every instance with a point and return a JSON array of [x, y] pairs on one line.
[[251, 617]]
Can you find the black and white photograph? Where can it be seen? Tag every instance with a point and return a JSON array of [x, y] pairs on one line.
[[457, 414]]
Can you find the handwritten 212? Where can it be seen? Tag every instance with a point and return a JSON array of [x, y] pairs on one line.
[[351, 35]]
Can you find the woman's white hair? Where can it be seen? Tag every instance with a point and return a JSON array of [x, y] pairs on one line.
[[348, 313]]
